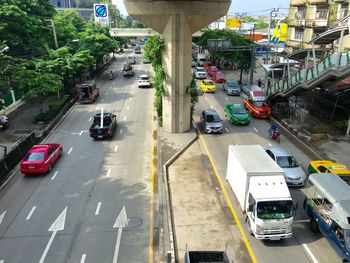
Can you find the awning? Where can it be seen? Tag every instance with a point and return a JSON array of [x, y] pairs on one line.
[[301, 54], [329, 36]]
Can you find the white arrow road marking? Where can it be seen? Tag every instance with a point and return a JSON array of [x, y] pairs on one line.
[[130, 99], [56, 226], [98, 208], [70, 150], [124, 118], [31, 213], [83, 257], [54, 176], [116, 148], [121, 131], [81, 132], [255, 129], [2, 216], [206, 98], [120, 222], [308, 251]]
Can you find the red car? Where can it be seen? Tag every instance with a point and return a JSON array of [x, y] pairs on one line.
[[218, 77], [212, 70], [40, 158], [207, 65]]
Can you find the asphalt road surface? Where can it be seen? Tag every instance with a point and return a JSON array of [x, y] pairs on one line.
[[304, 246], [94, 206]]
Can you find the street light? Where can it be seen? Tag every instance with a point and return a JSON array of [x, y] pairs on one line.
[[73, 40], [273, 13]]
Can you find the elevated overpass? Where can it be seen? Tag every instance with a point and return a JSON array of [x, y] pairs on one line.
[[139, 32]]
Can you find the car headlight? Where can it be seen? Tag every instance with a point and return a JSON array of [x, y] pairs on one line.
[[259, 230]]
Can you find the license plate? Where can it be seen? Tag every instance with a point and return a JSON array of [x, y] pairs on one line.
[[275, 238], [31, 167], [100, 136]]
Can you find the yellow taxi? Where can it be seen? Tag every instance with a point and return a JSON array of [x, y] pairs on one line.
[[207, 85], [327, 166]]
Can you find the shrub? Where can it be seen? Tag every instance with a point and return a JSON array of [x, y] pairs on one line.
[[53, 110]]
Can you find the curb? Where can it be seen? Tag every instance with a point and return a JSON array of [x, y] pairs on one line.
[[173, 257]]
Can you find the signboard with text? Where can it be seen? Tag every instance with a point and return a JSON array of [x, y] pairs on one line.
[[233, 22], [101, 14]]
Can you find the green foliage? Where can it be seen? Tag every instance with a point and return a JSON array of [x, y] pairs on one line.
[[153, 50], [138, 24], [54, 109], [192, 89]]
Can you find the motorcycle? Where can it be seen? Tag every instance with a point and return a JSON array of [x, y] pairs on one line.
[[275, 135], [4, 125], [110, 75]]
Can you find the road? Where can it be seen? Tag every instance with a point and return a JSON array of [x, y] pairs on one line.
[[94, 206], [304, 246]]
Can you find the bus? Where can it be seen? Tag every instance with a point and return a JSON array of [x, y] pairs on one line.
[[254, 100]]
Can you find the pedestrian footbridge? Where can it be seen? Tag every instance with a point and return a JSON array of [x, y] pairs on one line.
[[333, 66]]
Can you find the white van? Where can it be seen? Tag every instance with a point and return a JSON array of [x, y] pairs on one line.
[[201, 59]]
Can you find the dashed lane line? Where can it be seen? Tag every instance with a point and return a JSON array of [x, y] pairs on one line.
[[97, 211], [121, 131], [31, 213], [83, 257], [116, 148], [70, 150], [54, 176], [108, 172], [308, 251], [255, 129]]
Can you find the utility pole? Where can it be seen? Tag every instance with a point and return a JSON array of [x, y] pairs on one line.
[[54, 32], [252, 63], [273, 13], [240, 16]]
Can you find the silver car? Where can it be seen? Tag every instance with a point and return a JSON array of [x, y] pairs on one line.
[[211, 122], [293, 173], [232, 87]]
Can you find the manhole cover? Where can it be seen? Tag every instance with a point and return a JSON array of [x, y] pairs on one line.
[[139, 186], [134, 222]]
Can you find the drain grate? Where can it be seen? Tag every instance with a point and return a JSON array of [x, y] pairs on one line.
[[134, 222]]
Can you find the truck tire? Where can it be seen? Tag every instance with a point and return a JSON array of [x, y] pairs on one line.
[[314, 225]]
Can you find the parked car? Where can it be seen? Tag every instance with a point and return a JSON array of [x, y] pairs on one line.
[[40, 158], [293, 173], [128, 70], [211, 121], [200, 73], [327, 166], [207, 85], [232, 87], [143, 81], [103, 127], [131, 60], [237, 114], [218, 77]]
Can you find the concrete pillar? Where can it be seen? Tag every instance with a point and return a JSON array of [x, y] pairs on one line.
[[177, 21]]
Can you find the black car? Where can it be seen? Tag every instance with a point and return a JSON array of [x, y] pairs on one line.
[[128, 71]]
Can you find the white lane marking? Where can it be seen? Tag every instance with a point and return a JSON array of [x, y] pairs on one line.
[[70, 150], [90, 118], [2, 261], [98, 208], [270, 144], [308, 251], [108, 172], [83, 257], [130, 99], [124, 118], [54, 176], [211, 106], [2, 216], [227, 130], [102, 100], [116, 148], [31, 213], [226, 98], [97, 108], [128, 108], [255, 129], [120, 222], [302, 221], [81, 132], [205, 98], [121, 131]]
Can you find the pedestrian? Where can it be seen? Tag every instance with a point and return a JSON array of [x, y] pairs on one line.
[[259, 83], [269, 82]]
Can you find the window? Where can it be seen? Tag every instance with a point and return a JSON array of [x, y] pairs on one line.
[[270, 153], [323, 169], [299, 33], [300, 13], [321, 12], [343, 10]]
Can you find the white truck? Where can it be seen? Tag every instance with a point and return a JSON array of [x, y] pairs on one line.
[[259, 186], [201, 59]]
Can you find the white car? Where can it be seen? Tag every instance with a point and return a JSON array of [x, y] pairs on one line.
[[143, 81], [200, 73]]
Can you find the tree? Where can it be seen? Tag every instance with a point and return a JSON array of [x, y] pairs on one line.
[[38, 85], [114, 15]]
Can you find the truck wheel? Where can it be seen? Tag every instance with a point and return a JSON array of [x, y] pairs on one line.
[[314, 225]]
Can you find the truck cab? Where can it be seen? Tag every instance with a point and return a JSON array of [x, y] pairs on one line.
[[327, 203]]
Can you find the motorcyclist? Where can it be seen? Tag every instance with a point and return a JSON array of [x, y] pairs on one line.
[[4, 120], [273, 130], [110, 74]]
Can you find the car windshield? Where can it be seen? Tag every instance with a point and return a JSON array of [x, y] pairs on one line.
[[232, 84], [260, 103], [213, 68], [347, 239], [275, 209], [239, 111], [213, 118], [143, 78], [219, 74], [287, 162], [35, 156], [200, 70], [208, 83]]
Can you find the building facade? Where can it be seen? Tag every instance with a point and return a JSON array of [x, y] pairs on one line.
[[308, 18]]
